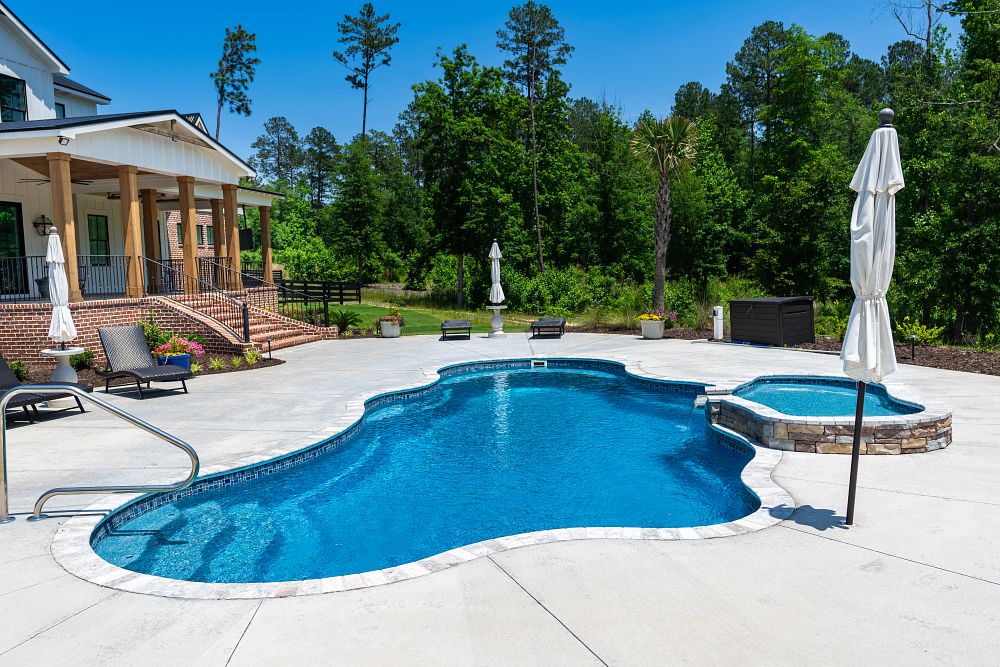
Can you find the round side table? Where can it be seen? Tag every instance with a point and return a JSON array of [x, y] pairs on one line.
[[63, 372]]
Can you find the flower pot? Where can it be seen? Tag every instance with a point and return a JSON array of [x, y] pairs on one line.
[[182, 360], [389, 329], [652, 329]]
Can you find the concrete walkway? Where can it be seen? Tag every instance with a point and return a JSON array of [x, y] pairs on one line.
[[916, 581]]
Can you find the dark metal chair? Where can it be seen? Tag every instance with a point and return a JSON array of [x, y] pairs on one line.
[[456, 328], [128, 356], [555, 326], [25, 401]]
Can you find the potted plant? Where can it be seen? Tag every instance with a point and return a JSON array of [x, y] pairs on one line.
[[177, 351], [653, 322], [390, 323]]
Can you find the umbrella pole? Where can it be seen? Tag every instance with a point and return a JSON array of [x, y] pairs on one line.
[[852, 488]]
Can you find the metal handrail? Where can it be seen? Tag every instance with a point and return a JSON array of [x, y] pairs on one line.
[[237, 307], [5, 516]]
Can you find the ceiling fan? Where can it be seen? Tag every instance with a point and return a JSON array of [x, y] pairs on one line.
[[43, 181]]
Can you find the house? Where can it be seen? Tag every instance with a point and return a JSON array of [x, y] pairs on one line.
[[108, 183]]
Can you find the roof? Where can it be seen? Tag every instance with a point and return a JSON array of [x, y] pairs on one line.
[[76, 121], [69, 84], [115, 120], [34, 39]]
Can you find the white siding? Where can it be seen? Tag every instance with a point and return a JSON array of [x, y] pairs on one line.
[[75, 106], [18, 60]]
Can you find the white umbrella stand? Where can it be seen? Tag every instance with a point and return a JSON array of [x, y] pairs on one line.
[[496, 293], [868, 353]]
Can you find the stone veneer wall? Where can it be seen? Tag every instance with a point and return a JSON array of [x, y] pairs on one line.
[[904, 437], [24, 327]]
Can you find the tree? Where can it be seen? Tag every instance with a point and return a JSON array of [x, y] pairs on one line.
[[235, 73], [693, 100], [536, 43], [359, 209], [320, 162], [369, 38], [669, 145], [278, 153]]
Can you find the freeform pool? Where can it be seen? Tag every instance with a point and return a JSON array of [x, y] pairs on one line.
[[486, 452], [822, 397]]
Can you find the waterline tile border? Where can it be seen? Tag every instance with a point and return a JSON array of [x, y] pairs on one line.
[[71, 545]]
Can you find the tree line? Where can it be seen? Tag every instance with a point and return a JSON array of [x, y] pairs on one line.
[[574, 193]]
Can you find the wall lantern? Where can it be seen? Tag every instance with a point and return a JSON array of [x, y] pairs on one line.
[[42, 225]]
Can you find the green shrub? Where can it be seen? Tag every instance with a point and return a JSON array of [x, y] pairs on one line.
[[196, 367], [344, 319], [20, 370], [216, 363], [924, 335], [82, 361], [236, 362], [252, 355], [987, 343]]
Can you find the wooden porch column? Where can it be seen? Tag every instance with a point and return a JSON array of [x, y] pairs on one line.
[[233, 233], [128, 188], [151, 238], [62, 216], [218, 229], [185, 187], [265, 242]]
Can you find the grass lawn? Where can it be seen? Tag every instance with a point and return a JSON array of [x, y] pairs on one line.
[[428, 320]]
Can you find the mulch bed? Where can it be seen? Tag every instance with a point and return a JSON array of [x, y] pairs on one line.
[[39, 374]]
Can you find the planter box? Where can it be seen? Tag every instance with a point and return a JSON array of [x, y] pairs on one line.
[[389, 329], [182, 360], [780, 321], [652, 329]]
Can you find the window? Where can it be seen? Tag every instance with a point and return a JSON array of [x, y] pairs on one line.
[[13, 100], [100, 246], [60, 110], [211, 235], [180, 234], [201, 234]]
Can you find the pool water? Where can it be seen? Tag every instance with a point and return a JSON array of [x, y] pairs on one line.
[[483, 455], [822, 398]]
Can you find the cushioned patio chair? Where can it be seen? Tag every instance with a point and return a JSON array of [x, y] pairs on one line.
[[456, 328], [128, 356], [555, 326], [29, 402]]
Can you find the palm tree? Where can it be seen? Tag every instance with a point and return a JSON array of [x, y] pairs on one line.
[[669, 144]]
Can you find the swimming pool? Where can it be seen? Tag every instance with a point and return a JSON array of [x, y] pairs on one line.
[[822, 397], [490, 450]]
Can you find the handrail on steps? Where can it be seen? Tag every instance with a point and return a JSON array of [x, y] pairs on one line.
[[5, 516]]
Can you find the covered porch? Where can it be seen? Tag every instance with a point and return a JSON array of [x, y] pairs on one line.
[[108, 184]]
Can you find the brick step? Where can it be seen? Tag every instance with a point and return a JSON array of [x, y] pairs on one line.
[[290, 342]]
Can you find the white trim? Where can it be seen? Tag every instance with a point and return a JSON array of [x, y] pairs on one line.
[[32, 39], [72, 92]]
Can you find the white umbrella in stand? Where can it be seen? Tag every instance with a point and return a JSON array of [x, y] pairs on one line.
[[868, 353], [496, 293], [61, 330]]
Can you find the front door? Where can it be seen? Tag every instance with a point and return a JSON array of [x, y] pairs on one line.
[[13, 264]]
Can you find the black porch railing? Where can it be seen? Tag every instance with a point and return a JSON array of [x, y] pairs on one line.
[[27, 278], [279, 298], [167, 278]]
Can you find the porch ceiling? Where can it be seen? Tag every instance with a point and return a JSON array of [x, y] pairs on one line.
[[80, 170]]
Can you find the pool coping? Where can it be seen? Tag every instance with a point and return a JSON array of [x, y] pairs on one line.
[[71, 544]]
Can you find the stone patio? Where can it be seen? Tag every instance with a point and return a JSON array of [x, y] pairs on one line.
[[916, 581]]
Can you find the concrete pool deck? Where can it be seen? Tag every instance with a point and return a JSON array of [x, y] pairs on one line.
[[916, 581]]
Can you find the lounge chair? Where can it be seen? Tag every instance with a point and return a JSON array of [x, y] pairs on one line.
[[25, 401], [555, 326], [128, 356], [456, 328]]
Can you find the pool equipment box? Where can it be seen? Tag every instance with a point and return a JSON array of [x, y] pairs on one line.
[[783, 320]]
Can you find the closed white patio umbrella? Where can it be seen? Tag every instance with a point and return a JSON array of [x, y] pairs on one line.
[[496, 291], [61, 330], [868, 352]]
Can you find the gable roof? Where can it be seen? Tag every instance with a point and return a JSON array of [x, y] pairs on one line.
[[119, 120], [67, 83], [34, 39]]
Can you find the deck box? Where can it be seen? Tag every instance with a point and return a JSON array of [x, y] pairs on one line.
[[785, 320]]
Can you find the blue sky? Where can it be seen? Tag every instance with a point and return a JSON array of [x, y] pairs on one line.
[[634, 55]]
